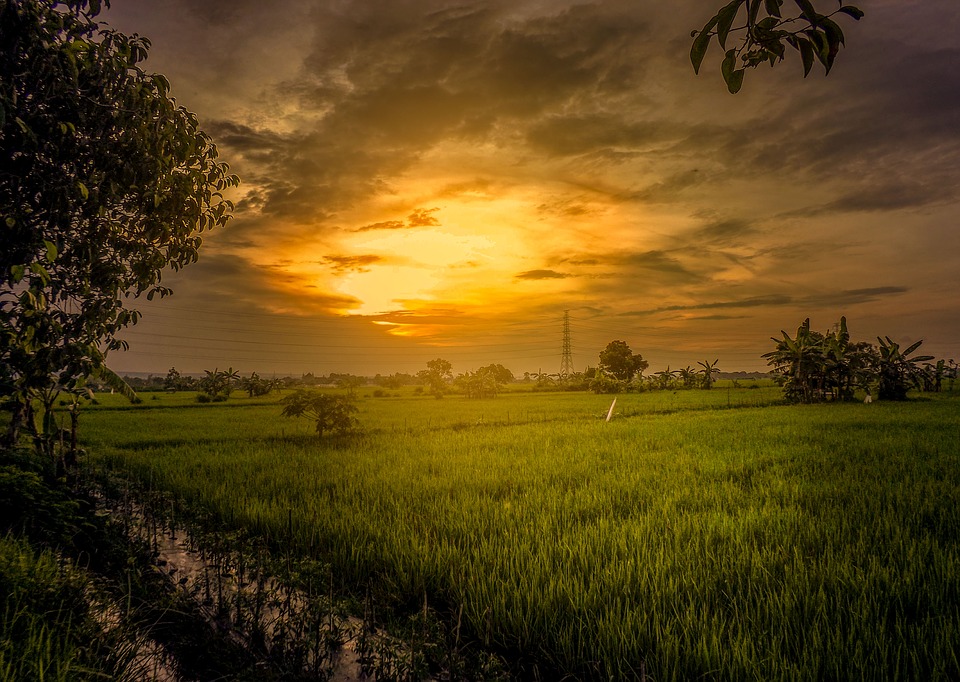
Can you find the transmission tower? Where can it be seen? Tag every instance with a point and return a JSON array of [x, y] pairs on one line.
[[566, 361]]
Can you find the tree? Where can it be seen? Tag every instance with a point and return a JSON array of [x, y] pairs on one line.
[[897, 371], [933, 376], [688, 377], [256, 386], [436, 376], [486, 382], [847, 365], [620, 362], [709, 369], [816, 366], [173, 381], [441, 368], [766, 33], [501, 374], [216, 386], [104, 182], [329, 412], [350, 382], [664, 379], [799, 360], [604, 383]]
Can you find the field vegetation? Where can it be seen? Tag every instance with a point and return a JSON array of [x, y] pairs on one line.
[[697, 535]]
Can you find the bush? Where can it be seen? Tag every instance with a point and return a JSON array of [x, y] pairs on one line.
[[330, 412], [606, 384]]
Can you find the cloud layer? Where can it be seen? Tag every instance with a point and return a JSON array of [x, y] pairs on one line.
[[480, 163]]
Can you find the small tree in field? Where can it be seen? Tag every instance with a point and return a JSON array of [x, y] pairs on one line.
[[332, 413]]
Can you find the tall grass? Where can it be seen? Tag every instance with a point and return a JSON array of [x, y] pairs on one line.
[[48, 630], [686, 541]]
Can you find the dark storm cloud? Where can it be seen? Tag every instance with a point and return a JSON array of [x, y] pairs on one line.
[[388, 82], [542, 274], [891, 196], [342, 264], [237, 284], [572, 207], [666, 267], [883, 132], [385, 225], [656, 266], [854, 296], [570, 135], [246, 140], [839, 298], [724, 232], [674, 187], [392, 81], [581, 261], [423, 217], [750, 302]]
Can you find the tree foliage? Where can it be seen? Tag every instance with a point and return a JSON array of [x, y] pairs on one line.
[[816, 366], [104, 182], [620, 362], [766, 30], [217, 385], [486, 382], [331, 413], [255, 386], [709, 369], [436, 376], [898, 372]]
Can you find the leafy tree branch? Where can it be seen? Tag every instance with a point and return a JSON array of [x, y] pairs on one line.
[[765, 33]]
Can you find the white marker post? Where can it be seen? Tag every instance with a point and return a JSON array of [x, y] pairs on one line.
[[610, 411]]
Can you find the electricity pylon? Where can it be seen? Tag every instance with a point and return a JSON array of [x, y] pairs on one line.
[[566, 360]]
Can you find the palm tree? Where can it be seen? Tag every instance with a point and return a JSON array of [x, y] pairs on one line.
[[898, 372], [664, 378], [687, 376], [847, 365], [709, 369], [934, 375], [801, 361]]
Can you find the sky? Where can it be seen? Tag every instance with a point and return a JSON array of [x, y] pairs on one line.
[[435, 178]]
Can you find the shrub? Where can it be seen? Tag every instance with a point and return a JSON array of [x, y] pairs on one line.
[[330, 412]]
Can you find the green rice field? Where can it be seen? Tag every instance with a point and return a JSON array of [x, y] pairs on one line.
[[697, 535]]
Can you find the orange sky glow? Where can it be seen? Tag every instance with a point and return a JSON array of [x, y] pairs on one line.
[[429, 178]]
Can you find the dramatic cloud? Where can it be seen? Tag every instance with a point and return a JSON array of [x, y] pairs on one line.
[[542, 274], [423, 217], [426, 164], [356, 263]]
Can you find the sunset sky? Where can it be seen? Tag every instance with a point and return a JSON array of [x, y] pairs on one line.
[[429, 178]]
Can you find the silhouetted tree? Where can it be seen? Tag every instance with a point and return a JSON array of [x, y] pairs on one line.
[[898, 372], [708, 372], [330, 413], [104, 182], [620, 362]]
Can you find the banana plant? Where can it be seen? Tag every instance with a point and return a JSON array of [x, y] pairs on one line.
[[800, 360], [709, 369], [898, 372]]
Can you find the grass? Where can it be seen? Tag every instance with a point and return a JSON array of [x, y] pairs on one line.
[[49, 627], [700, 534]]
